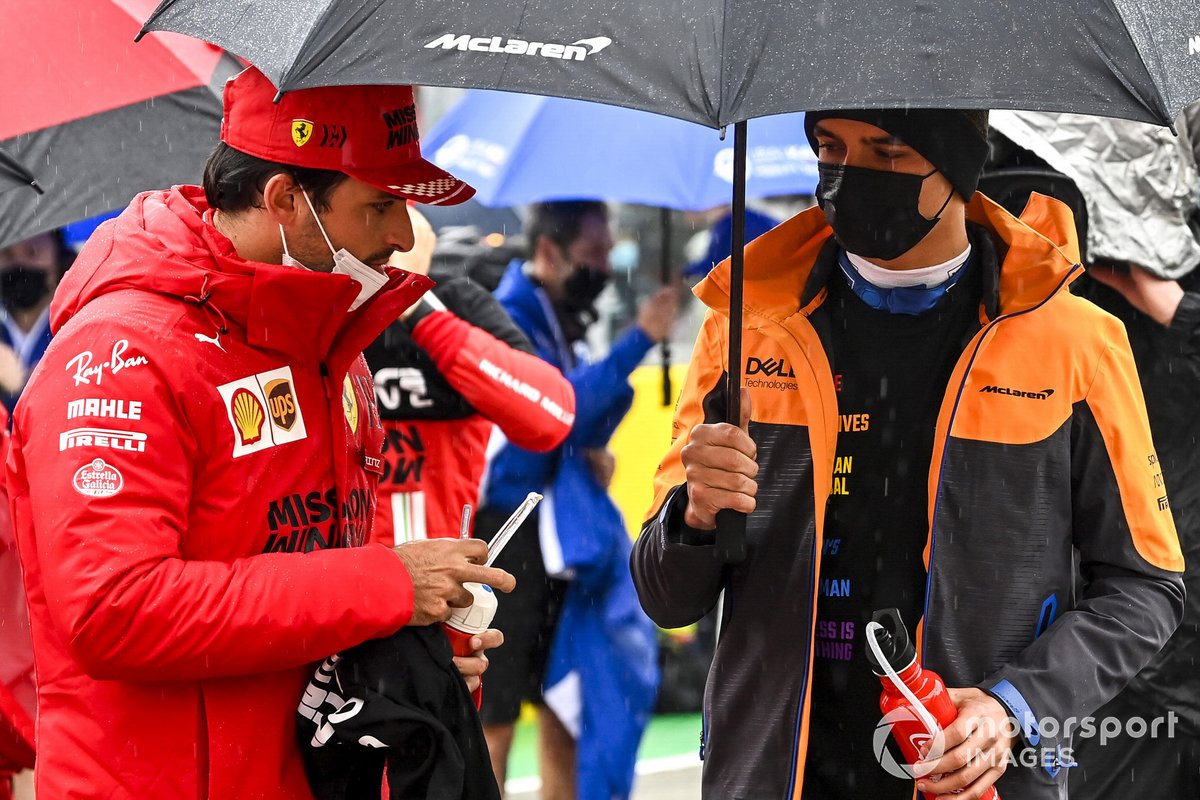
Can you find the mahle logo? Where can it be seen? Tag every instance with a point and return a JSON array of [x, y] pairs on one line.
[[1042, 395], [575, 51]]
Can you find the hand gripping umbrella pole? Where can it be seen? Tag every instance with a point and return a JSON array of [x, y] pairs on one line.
[[731, 525]]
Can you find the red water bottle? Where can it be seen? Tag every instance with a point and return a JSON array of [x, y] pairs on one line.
[[467, 622], [894, 660]]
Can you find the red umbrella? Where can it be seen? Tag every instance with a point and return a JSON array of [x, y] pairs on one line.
[[95, 117]]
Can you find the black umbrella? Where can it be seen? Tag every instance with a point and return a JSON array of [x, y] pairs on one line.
[[13, 174], [719, 62]]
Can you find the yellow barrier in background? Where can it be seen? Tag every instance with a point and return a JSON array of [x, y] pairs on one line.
[[641, 441]]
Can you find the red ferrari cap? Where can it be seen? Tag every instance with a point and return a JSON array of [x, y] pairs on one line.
[[367, 132]]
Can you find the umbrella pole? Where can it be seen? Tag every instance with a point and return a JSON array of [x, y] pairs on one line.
[[664, 347], [731, 525], [18, 171]]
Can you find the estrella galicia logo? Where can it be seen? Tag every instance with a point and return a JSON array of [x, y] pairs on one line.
[[1042, 395], [777, 368]]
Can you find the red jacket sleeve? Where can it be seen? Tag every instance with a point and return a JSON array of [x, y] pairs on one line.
[[529, 399], [120, 576]]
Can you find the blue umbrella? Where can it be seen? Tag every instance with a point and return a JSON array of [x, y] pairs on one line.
[[519, 148]]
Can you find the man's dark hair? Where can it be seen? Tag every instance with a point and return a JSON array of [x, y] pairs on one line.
[[234, 181], [560, 221]]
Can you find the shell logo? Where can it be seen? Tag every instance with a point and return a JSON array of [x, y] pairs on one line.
[[247, 415]]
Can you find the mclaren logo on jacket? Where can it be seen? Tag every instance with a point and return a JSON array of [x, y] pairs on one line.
[[1042, 395], [263, 411]]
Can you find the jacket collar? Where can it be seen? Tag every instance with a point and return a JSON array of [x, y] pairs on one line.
[[531, 309], [163, 244], [788, 267]]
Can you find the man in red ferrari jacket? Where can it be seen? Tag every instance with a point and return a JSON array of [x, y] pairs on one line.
[[194, 462], [450, 368]]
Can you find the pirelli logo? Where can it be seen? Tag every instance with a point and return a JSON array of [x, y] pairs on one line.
[[130, 441], [1042, 395]]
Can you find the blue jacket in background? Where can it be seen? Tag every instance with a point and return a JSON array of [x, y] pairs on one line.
[[602, 391], [602, 676], [35, 348]]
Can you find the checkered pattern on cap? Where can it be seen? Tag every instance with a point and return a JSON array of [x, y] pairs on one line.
[[427, 189]]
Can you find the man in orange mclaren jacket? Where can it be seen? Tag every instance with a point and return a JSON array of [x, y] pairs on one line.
[[933, 423], [194, 462]]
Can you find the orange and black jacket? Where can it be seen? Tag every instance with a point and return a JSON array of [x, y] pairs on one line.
[[1041, 455]]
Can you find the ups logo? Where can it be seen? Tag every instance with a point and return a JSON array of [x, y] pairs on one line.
[[281, 403]]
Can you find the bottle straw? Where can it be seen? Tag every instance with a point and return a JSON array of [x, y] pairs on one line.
[[510, 526], [464, 526]]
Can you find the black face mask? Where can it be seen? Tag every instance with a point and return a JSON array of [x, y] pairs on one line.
[[874, 214], [22, 288], [582, 287]]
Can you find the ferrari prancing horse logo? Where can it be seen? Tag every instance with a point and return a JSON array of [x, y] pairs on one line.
[[302, 131], [350, 403]]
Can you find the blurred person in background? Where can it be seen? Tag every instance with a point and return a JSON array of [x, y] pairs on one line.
[[717, 239], [551, 297], [453, 365], [29, 273]]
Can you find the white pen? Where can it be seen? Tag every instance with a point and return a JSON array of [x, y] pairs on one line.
[[510, 526]]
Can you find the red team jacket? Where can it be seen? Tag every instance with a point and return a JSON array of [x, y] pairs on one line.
[[17, 692], [191, 459], [442, 379]]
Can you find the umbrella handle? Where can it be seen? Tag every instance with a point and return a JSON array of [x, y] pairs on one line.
[[731, 525], [667, 392], [731, 536]]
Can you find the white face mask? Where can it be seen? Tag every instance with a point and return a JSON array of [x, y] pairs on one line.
[[369, 281]]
